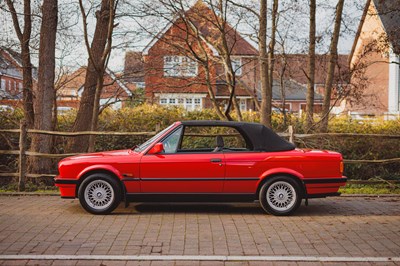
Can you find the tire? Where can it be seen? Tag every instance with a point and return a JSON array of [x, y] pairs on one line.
[[280, 195], [99, 193]]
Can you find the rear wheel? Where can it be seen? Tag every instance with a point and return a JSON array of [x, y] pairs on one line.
[[99, 194], [281, 195]]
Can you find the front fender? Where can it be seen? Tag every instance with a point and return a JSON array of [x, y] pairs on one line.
[[103, 167]]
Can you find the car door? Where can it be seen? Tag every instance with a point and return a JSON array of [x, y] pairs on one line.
[[243, 166], [182, 170]]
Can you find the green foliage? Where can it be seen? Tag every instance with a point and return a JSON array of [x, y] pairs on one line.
[[149, 118], [369, 189]]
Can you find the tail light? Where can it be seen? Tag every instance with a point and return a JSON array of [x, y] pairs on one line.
[[341, 167]]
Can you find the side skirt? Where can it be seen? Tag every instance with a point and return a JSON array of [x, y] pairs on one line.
[[194, 197]]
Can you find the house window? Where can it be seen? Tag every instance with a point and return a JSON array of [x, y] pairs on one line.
[[20, 86], [243, 105], [197, 103], [3, 84], [140, 85], [179, 66], [237, 66], [189, 104]]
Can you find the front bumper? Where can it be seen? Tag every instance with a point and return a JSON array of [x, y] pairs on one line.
[[67, 187]]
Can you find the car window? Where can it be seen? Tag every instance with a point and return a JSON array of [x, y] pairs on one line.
[[204, 139], [146, 144], [172, 141]]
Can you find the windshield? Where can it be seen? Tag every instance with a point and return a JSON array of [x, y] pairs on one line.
[[144, 145]]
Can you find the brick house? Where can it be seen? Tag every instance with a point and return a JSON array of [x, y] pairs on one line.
[[171, 76], [376, 53], [174, 77], [11, 79], [115, 92], [294, 68]]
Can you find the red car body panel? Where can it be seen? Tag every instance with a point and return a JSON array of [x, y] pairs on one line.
[[207, 173]]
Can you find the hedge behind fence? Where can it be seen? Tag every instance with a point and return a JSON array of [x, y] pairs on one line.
[[150, 117]]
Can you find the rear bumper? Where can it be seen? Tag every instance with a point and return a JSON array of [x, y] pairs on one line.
[[326, 180], [67, 187], [323, 187]]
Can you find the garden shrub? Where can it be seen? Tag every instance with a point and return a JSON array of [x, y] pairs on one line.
[[148, 118]]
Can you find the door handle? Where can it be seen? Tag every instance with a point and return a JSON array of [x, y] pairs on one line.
[[216, 160]]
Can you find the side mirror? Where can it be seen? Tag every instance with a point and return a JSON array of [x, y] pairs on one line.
[[158, 148]]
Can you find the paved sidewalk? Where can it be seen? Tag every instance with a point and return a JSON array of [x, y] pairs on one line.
[[332, 227]]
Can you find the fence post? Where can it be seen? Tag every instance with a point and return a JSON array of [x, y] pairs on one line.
[[291, 134], [22, 156]]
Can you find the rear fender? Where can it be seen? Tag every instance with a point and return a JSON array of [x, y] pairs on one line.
[[280, 171]]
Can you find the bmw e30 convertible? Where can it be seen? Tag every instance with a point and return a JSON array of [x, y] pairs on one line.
[[209, 161]]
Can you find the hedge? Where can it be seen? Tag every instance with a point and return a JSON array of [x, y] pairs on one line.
[[149, 117]]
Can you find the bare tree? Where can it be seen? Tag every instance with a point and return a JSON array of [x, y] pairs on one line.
[[311, 68], [224, 48], [333, 55], [266, 90], [24, 36], [271, 49], [98, 52], [44, 95], [197, 29]]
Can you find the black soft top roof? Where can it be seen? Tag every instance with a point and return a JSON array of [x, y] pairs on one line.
[[259, 136]]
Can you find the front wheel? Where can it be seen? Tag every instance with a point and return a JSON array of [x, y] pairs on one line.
[[281, 195], [99, 194]]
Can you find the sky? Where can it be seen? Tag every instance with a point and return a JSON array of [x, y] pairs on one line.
[[134, 29]]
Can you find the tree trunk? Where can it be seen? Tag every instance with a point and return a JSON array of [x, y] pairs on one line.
[[44, 95], [283, 89], [266, 92], [271, 51], [311, 69], [84, 117], [211, 92], [24, 38], [331, 68], [95, 114]]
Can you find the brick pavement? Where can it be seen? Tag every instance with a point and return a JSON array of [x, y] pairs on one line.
[[338, 227]]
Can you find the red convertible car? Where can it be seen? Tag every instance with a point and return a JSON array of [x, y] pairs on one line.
[[204, 161]]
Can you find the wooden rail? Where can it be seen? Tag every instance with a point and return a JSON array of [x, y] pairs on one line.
[[23, 132]]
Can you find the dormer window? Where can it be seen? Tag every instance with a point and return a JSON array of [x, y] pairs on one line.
[[179, 66]]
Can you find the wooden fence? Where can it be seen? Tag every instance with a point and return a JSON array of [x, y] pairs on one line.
[[23, 153]]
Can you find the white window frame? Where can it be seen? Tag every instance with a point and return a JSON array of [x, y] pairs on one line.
[[179, 66], [305, 105], [237, 65], [3, 85], [188, 102], [243, 104]]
